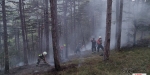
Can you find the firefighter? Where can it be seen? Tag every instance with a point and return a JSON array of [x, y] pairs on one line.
[[93, 45], [42, 57], [99, 44], [78, 48], [62, 48]]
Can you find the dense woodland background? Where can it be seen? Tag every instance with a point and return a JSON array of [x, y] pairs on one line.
[[29, 27]]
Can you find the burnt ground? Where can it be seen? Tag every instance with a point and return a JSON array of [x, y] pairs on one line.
[[29, 70], [42, 68]]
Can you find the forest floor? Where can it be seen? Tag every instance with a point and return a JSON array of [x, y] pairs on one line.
[[125, 62]]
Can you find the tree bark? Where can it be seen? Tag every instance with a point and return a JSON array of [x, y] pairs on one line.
[[25, 27], [23, 33], [65, 24], [108, 30], [5, 38], [117, 22], [32, 42], [74, 21], [0, 38], [71, 16], [39, 36], [46, 26], [119, 26], [55, 41]]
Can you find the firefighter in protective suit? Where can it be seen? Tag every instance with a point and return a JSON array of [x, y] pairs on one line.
[[42, 57]]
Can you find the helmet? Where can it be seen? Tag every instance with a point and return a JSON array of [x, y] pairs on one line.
[[100, 37], [44, 53]]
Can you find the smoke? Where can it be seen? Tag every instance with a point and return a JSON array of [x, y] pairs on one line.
[[96, 11], [20, 64], [98, 8], [131, 10]]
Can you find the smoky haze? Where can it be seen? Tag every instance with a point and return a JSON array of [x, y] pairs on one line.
[[88, 21], [131, 10], [96, 11]]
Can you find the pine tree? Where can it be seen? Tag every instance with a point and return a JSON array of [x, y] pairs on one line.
[[108, 30], [5, 38], [55, 41]]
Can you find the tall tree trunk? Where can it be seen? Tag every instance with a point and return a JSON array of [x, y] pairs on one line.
[[32, 41], [23, 34], [25, 28], [42, 35], [46, 26], [93, 22], [18, 43], [32, 51], [117, 22], [119, 26], [0, 37], [65, 24], [108, 30], [39, 36], [74, 21], [15, 34], [71, 16], [55, 40], [128, 30], [5, 38]]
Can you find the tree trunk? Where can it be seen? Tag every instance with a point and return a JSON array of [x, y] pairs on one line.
[[71, 16], [25, 28], [74, 21], [93, 22], [42, 35], [32, 41], [55, 40], [23, 33], [117, 22], [18, 42], [119, 26], [0, 38], [39, 36], [15, 34], [65, 24], [5, 38], [46, 26], [108, 30]]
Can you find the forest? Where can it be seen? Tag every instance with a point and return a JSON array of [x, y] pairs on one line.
[[74, 37]]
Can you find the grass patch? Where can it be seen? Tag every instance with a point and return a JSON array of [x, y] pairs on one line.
[[126, 62]]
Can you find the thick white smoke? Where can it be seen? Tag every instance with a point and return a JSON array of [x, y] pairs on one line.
[[130, 11]]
